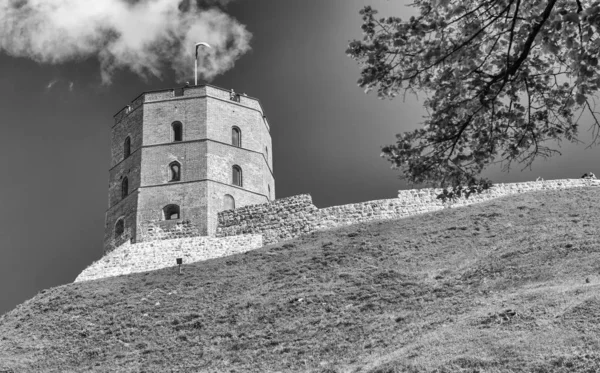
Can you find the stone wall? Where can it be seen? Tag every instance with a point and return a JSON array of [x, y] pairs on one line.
[[279, 220], [290, 217], [149, 256], [170, 230]]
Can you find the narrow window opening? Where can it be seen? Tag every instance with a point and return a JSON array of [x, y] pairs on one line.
[[174, 171], [236, 175], [177, 131], [236, 137], [124, 187], [127, 147], [269, 187], [228, 202], [119, 228], [171, 212]]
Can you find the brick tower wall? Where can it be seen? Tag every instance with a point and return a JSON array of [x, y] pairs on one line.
[[191, 197], [253, 157], [206, 156], [120, 167]]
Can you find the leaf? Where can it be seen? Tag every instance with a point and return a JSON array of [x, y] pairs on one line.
[[481, 103], [572, 17]]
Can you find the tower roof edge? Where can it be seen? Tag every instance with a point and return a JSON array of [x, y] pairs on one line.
[[140, 99]]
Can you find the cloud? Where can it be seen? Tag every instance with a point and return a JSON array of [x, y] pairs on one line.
[[55, 81], [51, 84], [144, 36]]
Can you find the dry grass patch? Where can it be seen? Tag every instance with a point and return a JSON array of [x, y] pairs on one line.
[[506, 286]]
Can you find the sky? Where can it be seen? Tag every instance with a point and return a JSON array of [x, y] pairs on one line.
[[58, 95]]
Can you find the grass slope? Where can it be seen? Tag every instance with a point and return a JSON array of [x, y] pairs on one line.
[[511, 285]]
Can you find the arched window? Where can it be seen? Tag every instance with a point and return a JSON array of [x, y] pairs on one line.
[[127, 147], [124, 187], [174, 171], [236, 137], [236, 173], [119, 228], [228, 202], [171, 212], [177, 131]]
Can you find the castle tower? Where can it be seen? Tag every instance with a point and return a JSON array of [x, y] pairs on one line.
[[180, 156]]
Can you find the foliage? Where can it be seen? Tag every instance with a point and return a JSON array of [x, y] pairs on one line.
[[503, 78], [454, 193]]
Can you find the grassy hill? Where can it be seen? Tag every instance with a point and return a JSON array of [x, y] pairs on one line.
[[512, 285]]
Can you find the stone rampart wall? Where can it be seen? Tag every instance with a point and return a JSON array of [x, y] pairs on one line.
[[290, 217], [278, 220], [250, 227], [148, 256], [169, 230]]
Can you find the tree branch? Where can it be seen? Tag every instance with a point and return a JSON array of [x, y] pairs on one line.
[[531, 38], [512, 33]]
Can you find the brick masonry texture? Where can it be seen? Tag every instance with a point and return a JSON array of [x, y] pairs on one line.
[[127, 211], [149, 256], [291, 217], [206, 156]]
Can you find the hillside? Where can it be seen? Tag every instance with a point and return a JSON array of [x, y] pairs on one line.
[[511, 285]]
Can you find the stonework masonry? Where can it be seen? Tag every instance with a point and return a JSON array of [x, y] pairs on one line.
[[287, 218], [170, 229], [249, 227], [149, 256]]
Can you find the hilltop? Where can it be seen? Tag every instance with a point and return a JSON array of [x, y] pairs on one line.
[[510, 285]]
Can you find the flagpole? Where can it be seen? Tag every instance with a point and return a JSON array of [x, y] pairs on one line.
[[196, 61]]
